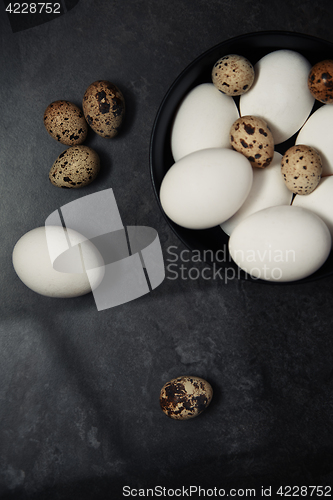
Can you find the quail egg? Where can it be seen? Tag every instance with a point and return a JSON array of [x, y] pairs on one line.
[[65, 122], [301, 168], [104, 108], [320, 81], [185, 397], [233, 74], [76, 167], [251, 136]]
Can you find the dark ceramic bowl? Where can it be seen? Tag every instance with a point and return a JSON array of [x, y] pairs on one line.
[[213, 243]]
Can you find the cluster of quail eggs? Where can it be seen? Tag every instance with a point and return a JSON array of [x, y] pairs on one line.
[[103, 109], [301, 165], [209, 183]]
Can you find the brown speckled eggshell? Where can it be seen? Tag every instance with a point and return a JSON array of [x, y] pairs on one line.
[[65, 122], [251, 136], [185, 397], [233, 75], [76, 167], [301, 169], [104, 108], [320, 81]]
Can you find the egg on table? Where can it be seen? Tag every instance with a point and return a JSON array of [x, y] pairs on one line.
[[76, 167], [185, 397], [268, 190], [64, 121], [203, 120], [205, 188], [104, 108], [233, 74], [32, 263], [316, 133], [251, 136], [284, 243], [301, 169], [320, 81], [280, 93]]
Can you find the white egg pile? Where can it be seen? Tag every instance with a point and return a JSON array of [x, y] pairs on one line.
[[277, 210]]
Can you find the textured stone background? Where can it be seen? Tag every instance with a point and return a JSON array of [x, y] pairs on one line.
[[79, 411]]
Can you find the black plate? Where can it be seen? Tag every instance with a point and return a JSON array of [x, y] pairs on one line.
[[253, 46]]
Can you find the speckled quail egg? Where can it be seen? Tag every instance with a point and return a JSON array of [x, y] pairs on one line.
[[76, 167], [301, 168], [64, 121], [104, 108], [320, 81], [233, 74], [251, 136], [185, 397]]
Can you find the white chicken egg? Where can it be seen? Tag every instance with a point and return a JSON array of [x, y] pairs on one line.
[[32, 263], [203, 120], [316, 132], [320, 201], [268, 190], [280, 93], [205, 188], [283, 243]]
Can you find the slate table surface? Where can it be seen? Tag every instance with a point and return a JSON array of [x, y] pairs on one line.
[[79, 388]]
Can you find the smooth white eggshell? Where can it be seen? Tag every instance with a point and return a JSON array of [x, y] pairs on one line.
[[280, 93], [206, 187], [284, 243], [317, 133], [268, 190], [203, 120], [32, 263], [320, 201]]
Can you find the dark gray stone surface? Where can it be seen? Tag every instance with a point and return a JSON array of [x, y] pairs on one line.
[[79, 389]]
